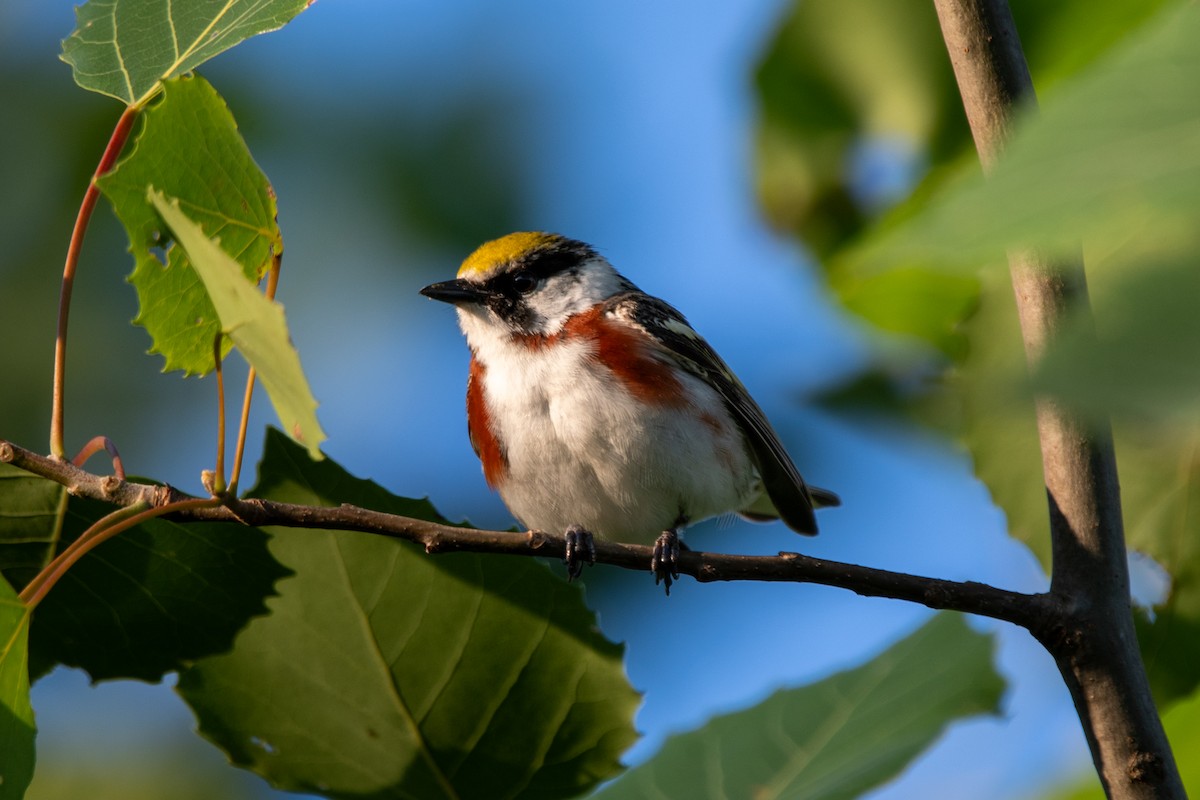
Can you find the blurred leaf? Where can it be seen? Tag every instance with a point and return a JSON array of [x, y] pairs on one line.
[[1160, 486], [1084, 168], [837, 73], [459, 675], [916, 302], [159, 765], [152, 599], [1138, 362], [837, 738], [1144, 364], [1124, 177], [126, 48], [842, 81], [17, 731], [1063, 38], [253, 321], [30, 511], [190, 148], [909, 299], [987, 401]]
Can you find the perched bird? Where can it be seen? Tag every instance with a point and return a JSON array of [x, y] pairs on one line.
[[596, 409]]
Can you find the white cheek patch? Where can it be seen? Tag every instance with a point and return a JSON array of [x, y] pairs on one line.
[[562, 296]]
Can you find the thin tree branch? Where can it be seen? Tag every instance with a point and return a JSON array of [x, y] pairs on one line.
[[1096, 648], [1036, 612]]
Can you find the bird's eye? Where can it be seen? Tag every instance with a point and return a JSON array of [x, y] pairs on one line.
[[524, 282]]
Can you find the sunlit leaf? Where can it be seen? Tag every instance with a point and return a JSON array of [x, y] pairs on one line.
[[456, 675], [126, 48], [254, 322], [17, 731], [836, 738], [190, 148]]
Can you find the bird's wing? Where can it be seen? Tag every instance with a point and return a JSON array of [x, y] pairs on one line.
[[668, 329]]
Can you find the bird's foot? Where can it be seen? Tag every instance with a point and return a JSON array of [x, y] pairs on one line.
[[665, 562], [580, 550]]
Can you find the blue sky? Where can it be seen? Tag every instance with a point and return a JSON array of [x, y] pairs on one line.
[[636, 123]]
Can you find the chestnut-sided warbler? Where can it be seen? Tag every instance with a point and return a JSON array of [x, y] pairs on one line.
[[596, 409]]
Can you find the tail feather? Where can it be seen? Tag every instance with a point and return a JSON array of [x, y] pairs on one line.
[[823, 498], [764, 510]]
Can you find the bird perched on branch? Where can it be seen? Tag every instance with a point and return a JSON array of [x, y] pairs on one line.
[[596, 409]]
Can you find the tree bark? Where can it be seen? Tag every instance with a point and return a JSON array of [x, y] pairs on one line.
[[1093, 642]]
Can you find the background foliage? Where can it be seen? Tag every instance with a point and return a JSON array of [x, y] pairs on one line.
[[390, 185]]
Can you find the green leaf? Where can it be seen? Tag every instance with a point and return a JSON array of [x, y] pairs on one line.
[[31, 509], [154, 598], [190, 148], [1160, 486], [254, 322], [17, 730], [1083, 168], [1142, 364], [126, 48], [457, 675], [837, 738], [843, 78], [837, 74], [1143, 370], [916, 302], [987, 401]]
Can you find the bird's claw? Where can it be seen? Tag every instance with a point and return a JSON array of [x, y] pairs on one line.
[[665, 561], [580, 549]]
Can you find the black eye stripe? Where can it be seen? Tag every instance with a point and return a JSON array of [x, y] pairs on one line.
[[511, 289], [554, 262]]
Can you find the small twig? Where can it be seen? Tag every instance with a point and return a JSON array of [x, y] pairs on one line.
[[115, 144], [243, 428], [1036, 612], [244, 425], [217, 482], [94, 446]]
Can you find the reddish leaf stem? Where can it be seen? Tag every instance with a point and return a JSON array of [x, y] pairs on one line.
[[100, 532], [218, 482], [94, 446], [115, 144]]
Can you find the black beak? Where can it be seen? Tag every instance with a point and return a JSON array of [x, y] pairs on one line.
[[456, 291]]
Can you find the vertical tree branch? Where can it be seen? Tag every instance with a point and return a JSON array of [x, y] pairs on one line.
[[1095, 645]]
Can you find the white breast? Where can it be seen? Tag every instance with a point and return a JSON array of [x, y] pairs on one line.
[[582, 451]]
